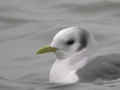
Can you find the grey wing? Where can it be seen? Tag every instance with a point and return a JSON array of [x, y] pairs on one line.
[[102, 67]]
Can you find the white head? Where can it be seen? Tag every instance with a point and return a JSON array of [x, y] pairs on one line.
[[69, 41]]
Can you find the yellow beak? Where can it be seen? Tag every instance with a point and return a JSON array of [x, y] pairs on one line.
[[46, 49]]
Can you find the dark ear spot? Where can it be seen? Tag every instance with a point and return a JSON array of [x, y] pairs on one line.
[[84, 36]]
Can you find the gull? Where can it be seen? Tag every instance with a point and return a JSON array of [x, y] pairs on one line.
[[80, 58]]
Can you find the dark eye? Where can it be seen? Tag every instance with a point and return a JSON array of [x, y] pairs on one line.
[[70, 42]]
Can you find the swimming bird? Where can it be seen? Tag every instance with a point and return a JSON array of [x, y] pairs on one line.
[[80, 58]]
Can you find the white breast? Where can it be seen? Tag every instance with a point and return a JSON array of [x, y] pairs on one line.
[[62, 73]]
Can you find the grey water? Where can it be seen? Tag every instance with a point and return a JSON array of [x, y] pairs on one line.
[[27, 25]]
